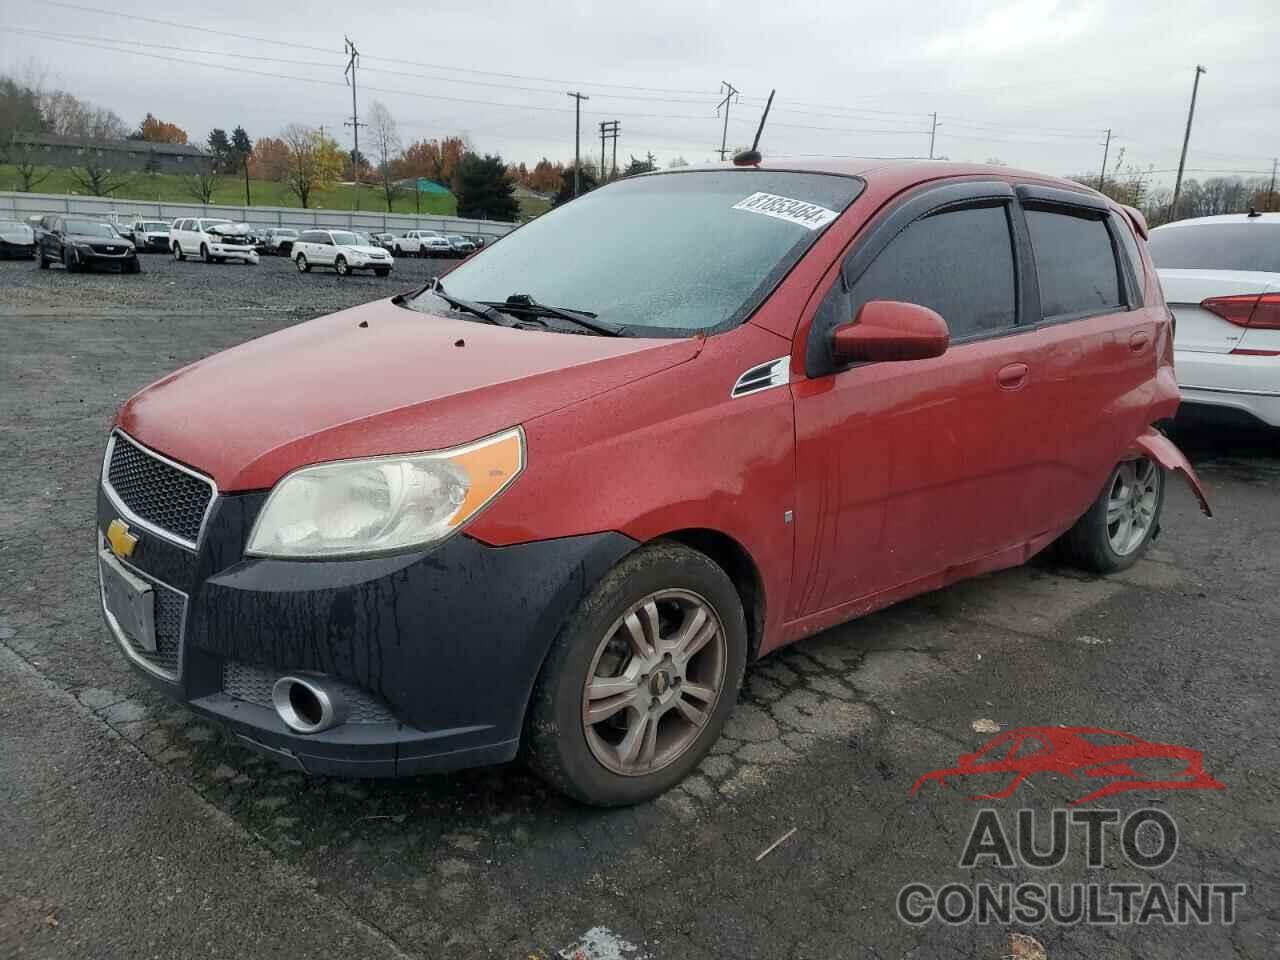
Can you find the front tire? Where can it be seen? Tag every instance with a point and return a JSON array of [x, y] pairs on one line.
[[1116, 531], [382, 273], [71, 261], [340, 266], [301, 263], [204, 253], [42, 259], [177, 252], [641, 679]]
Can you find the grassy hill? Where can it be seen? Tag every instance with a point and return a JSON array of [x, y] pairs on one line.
[[170, 188]]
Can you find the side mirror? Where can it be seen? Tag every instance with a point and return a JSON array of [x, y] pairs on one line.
[[891, 330]]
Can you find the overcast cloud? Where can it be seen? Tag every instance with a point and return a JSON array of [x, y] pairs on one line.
[[1033, 83]]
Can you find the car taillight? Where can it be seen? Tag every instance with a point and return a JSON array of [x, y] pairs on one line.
[[1253, 310]]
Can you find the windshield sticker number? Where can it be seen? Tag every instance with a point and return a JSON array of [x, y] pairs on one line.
[[808, 215]]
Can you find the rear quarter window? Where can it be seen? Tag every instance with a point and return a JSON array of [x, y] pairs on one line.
[[1075, 263]]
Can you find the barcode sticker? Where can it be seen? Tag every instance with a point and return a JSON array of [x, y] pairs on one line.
[[808, 215]]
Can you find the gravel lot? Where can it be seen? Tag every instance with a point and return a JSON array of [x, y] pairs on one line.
[[129, 829]]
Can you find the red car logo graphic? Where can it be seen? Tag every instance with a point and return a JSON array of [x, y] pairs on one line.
[[1077, 753]]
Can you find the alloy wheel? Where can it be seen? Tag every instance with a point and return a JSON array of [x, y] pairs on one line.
[[654, 682], [1131, 504]]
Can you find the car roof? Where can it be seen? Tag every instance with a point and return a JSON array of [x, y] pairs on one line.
[[1271, 219], [893, 171]]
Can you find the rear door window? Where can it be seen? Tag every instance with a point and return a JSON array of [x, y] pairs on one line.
[[1075, 263], [957, 262]]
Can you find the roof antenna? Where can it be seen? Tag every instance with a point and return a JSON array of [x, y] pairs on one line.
[[752, 158]]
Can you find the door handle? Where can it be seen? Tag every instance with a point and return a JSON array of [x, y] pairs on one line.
[[1138, 342], [1012, 376]]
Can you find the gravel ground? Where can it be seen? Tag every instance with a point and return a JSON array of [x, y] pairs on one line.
[[109, 796], [165, 285]]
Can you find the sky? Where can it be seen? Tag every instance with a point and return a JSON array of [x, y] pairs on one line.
[[1035, 83]]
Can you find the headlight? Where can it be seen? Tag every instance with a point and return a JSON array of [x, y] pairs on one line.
[[384, 504]]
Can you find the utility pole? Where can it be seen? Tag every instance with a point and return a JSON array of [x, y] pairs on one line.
[[1271, 191], [354, 123], [1186, 139], [933, 132], [731, 92], [609, 128], [1106, 148], [577, 136]]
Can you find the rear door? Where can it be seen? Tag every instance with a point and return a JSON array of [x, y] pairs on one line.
[[1097, 337], [906, 469]]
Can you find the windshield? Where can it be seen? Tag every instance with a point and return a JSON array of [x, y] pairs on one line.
[[87, 228], [12, 225], [344, 238], [1218, 246], [286, 233], [155, 226], [208, 224], [674, 253]]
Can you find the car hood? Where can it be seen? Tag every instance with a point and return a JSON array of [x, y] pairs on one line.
[[17, 234], [98, 241], [366, 250], [231, 229], [373, 380]]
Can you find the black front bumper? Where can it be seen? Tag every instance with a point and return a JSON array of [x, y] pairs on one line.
[[450, 640], [20, 251]]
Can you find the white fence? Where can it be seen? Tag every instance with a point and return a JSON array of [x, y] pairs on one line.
[[19, 206]]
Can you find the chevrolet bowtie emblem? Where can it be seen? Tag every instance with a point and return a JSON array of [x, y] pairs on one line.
[[122, 541]]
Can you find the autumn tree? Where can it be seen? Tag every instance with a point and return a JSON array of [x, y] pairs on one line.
[[484, 190], [153, 130], [314, 161], [545, 176], [436, 160], [269, 160]]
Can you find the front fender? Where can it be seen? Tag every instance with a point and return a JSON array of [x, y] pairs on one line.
[[1152, 443]]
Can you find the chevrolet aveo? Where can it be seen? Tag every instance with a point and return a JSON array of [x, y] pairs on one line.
[[554, 503]]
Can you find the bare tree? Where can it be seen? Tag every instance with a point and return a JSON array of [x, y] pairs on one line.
[[386, 147], [95, 178], [202, 184], [30, 174]]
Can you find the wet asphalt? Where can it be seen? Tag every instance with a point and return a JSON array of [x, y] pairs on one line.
[[129, 829]]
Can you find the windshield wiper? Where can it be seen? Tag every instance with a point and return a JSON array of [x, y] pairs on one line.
[[522, 303], [481, 310]]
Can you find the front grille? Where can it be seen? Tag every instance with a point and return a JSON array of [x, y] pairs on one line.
[[253, 685], [170, 608], [156, 491]]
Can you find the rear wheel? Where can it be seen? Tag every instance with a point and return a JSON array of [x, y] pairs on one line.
[[641, 679], [340, 266], [301, 262], [1120, 525]]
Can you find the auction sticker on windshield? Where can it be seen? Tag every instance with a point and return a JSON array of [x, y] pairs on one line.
[[808, 215]]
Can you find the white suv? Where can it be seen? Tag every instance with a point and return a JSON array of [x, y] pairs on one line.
[[212, 240], [344, 250], [421, 243]]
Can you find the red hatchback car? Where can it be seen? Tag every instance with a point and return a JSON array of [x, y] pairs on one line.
[[556, 502]]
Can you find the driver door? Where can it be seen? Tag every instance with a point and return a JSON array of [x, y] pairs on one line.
[[908, 469]]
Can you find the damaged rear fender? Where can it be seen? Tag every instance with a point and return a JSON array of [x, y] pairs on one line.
[[1155, 445]]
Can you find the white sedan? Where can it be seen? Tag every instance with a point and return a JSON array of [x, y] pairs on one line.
[[343, 250], [1221, 278]]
